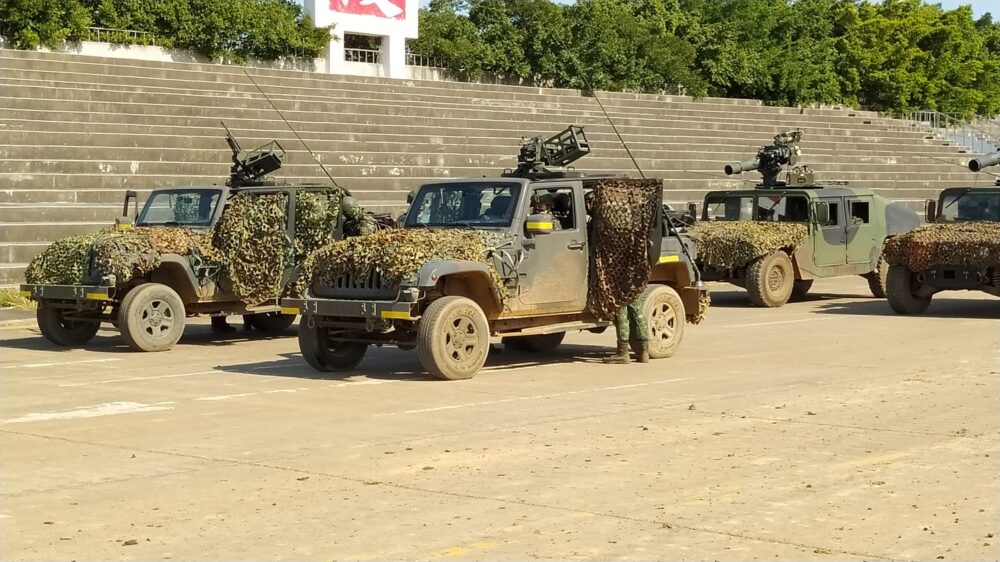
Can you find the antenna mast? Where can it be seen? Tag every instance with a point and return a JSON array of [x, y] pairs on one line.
[[292, 129]]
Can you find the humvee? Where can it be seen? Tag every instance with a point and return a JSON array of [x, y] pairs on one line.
[[449, 311], [845, 227], [150, 310], [910, 292]]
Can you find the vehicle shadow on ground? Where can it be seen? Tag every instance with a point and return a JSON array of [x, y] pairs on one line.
[[109, 340], [389, 363], [971, 309], [739, 299]]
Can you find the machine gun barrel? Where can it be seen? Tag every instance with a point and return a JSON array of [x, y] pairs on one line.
[[744, 166], [984, 161]]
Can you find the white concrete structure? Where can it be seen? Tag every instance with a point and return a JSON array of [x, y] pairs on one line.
[[394, 21]]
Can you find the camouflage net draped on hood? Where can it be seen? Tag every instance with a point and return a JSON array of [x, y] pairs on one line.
[[729, 244], [622, 217], [969, 244], [399, 255], [124, 254]]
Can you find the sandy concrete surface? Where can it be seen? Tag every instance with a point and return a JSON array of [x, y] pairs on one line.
[[829, 429]]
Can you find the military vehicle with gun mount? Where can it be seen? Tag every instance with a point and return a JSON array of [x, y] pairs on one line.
[[530, 289], [775, 239], [158, 287], [959, 249]]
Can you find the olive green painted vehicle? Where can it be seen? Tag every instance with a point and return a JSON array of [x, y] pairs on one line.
[[844, 229], [449, 310], [150, 308], [960, 248]]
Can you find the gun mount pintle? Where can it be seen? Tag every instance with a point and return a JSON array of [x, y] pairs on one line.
[[550, 158], [770, 159], [250, 167]]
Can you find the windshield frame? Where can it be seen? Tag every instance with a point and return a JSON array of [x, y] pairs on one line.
[[217, 206], [516, 189]]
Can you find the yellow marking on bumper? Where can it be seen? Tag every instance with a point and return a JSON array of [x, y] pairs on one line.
[[540, 225], [395, 314], [669, 259], [288, 310], [25, 294], [98, 297]]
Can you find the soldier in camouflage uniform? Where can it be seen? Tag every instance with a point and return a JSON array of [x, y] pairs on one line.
[[629, 318]]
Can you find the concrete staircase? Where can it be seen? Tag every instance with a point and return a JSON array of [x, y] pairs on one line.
[[75, 132]]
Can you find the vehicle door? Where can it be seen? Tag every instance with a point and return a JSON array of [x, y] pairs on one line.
[[861, 232], [829, 239], [553, 275]]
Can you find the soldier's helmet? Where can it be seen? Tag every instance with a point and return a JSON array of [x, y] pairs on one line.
[[350, 207]]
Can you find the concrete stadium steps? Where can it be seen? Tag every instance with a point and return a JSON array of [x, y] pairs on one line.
[[76, 131]]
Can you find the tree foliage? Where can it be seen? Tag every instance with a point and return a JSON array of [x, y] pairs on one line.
[[896, 55], [234, 30]]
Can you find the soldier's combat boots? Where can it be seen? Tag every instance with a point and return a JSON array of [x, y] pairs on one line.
[[643, 352], [621, 356]]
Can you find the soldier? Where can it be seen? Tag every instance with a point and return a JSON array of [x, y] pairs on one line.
[[355, 221], [630, 318], [542, 207]]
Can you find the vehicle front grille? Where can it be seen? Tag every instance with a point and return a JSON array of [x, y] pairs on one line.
[[347, 286]]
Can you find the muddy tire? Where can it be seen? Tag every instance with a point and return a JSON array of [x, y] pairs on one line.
[[900, 284], [879, 279], [453, 338], [151, 317], [800, 288], [57, 329], [664, 312], [541, 343], [770, 280], [325, 355], [271, 322]]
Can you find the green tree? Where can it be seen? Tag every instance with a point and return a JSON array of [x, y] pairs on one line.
[[444, 32], [29, 24]]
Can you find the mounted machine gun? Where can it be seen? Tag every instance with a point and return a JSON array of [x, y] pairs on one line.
[[540, 159], [770, 159], [251, 167]]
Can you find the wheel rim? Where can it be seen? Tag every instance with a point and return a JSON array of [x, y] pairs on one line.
[[461, 341], [664, 323], [775, 278], [157, 318]]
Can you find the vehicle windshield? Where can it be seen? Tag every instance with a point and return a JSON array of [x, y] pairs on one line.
[[966, 206], [180, 207], [729, 208], [474, 204]]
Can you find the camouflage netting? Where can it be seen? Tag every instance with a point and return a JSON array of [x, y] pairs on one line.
[[398, 255], [703, 303], [124, 254], [623, 215], [729, 244], [249, 245], [251, 236], [969, 244]]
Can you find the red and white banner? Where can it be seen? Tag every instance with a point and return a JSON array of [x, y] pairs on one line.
[[388, 9]]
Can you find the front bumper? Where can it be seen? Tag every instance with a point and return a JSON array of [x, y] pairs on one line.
[[94, 293], [367, 310], [953, 277]]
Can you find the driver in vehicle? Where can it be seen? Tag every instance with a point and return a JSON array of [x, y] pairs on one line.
[[541, 206]]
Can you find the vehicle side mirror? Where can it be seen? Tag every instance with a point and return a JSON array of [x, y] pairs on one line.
[[539, 224], [693, 211], [822, 213], [930, 210], [125, 222]]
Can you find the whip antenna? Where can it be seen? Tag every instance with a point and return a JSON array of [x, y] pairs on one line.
[[612, 123], [292, 129]]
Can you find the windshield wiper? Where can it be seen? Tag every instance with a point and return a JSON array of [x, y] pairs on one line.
[[956, 200]]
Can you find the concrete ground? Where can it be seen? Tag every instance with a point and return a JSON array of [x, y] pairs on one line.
[[829, 429]]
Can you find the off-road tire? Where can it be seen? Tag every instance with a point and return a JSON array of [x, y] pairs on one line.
[[878, 279], [55, 328], [770, 280], [800, 288], [325, 355], [540, 343], [453, 338], [271, 322], [664, 312], [899, 292], [151, 317]]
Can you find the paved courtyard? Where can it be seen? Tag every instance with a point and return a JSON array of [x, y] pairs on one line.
[[829, 429]]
